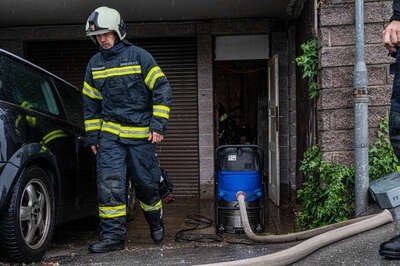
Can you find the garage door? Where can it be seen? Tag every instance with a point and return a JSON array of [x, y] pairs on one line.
[[178, 58]]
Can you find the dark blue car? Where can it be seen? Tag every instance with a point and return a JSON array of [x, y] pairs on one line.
[[47, 175]]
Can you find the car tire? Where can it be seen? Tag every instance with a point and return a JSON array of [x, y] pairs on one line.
[[27, 224], [130, 200]]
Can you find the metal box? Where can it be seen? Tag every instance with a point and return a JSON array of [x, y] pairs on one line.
[[386, 190]]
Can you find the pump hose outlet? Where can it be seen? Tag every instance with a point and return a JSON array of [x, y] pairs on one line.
[[317, 238]]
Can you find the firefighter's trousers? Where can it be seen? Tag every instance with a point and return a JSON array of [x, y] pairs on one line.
[[112, 160]]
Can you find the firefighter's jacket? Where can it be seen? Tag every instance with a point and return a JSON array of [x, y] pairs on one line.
[[125, 94], [396, 10]]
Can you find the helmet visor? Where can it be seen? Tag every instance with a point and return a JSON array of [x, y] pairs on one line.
[[97, 32]]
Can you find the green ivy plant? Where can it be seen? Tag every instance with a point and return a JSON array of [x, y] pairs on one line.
[[308, 61], [324, 197], [382, 159], [327, 195]]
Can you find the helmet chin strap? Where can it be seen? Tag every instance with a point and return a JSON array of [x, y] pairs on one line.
[[126, 42]]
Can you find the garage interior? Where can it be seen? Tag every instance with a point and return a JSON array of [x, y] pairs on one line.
[[238, 85]]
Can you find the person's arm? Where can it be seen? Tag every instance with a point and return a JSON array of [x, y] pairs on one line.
[[391, 34], [157, 82], [92, 111]]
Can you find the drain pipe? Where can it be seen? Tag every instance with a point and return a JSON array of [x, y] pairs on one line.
[[360, 99], [318, 238]]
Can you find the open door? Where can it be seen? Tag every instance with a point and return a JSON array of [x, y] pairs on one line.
[[273, 130]]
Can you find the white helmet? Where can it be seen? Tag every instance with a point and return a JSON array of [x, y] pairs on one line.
[[104, 19]]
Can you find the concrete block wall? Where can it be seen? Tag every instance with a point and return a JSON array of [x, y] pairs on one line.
[[206, 112], [336, 60]]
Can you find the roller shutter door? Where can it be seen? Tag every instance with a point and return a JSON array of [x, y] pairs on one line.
[[179, 154]]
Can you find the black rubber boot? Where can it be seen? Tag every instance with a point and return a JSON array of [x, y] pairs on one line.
[[154, 219], [106, 245], [157, 234], [391, 249]]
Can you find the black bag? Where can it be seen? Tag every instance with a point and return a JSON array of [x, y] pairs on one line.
[[166, 187]]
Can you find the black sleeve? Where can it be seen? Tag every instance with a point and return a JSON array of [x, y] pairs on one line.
[[396, 10]]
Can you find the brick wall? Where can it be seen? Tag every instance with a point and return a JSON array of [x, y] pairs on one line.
[[336, 59]]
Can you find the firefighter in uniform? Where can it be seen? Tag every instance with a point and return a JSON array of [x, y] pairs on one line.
[[391, 40], [127, 102]]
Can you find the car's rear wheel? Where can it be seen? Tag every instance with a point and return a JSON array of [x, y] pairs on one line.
[[27, 225], [130, 199]]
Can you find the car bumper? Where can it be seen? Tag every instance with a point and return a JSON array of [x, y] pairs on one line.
[[8, 174]]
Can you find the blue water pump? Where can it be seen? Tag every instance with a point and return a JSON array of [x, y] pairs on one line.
[[239, 168]]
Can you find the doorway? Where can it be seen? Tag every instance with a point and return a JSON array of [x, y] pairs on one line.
[[239, 88], [247, 111]]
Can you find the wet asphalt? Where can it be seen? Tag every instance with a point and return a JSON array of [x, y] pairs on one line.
[[69, 246]]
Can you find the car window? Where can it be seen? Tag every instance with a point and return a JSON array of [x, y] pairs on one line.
[[72, 100], [25, 86]]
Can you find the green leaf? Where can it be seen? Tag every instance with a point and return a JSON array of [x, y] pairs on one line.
[[309, 63]]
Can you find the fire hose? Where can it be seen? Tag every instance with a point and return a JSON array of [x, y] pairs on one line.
[[316, 238]]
